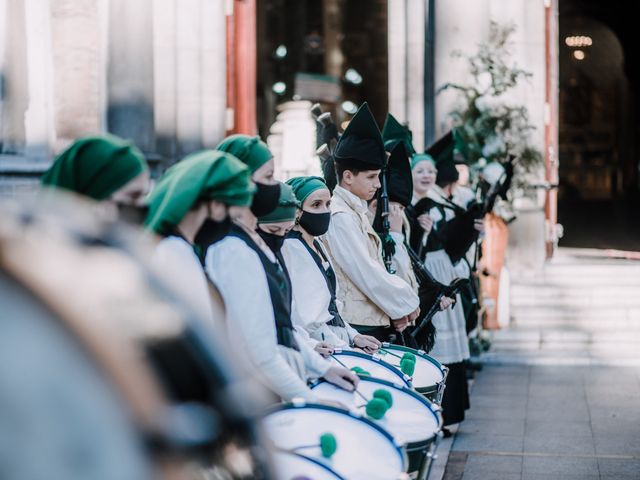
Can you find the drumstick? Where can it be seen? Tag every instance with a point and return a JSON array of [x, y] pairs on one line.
[[355, 389], [390, 353]]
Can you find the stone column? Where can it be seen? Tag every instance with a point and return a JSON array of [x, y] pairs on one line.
[[214, 86], [78, 73], [14, 97], [39, 125], [130, 72], [164, 72], [406, 36]]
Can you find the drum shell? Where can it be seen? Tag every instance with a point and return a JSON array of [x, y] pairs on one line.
[[433, 393], [416, 451]]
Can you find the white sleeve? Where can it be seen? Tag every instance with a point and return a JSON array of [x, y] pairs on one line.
[[352, 332], [311, 296], [238, 273], [348, 245], [316, 365], [401, 260]]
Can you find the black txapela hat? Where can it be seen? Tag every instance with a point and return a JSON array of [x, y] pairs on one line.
[[394, 132], [361, 146]]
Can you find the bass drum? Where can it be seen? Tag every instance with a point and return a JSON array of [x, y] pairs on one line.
[[104, 373], [364, 451], [412, 420], [429, 376]]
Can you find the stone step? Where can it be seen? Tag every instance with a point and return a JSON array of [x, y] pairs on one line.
[[578, 303], [566, 335], [598, 313], [582, 280], [570, 291]]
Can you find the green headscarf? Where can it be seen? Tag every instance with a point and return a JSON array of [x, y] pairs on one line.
[[305, 186], [287, 207], [96, 166], [251, 151], [421, 157], [205, 175]]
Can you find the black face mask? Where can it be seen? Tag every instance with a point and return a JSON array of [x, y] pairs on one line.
[[133, 214], [265, 199], [315, 224], [273, 241], [211, 232]]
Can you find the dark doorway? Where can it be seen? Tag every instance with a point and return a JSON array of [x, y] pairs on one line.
[[323, 51], [598, 200]]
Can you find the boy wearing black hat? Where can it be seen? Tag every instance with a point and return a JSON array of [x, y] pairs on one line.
[[373, 300]]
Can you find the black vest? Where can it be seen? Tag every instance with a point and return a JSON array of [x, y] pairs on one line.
[[279, 290], [328, 275]]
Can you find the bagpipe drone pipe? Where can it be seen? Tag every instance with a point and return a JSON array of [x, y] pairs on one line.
[[327, 137], [459, 234]]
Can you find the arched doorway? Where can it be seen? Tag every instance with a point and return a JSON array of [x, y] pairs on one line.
[[598, 195]]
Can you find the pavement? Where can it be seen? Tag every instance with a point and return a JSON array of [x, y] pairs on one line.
[[559, 394]]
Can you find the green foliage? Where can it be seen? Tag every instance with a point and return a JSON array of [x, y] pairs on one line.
[[490, 124]]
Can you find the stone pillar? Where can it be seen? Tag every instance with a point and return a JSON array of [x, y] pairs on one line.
[[14, 97], [406, 36], [39, 125], [164, 73], [130, 72], [214, 88], [78, 52], [460, 25], [188, 75]]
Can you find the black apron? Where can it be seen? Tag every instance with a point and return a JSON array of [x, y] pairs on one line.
[[328, 275], [279, 290]]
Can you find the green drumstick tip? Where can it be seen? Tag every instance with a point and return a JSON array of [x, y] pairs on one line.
[[410, 356], [376, 408], [384, 395], [328, 444], [360, 371], [408, 366]]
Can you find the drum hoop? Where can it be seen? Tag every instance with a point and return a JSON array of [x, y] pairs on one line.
[[314, 461], [420, 353], [357, 416], [404, 377], [433, 408]]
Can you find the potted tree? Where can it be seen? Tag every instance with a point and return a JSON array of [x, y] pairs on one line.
[[493, 126]]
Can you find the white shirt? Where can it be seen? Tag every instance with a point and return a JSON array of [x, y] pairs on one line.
[[239, 275], [348, 244], [312, 296], [178, 264]]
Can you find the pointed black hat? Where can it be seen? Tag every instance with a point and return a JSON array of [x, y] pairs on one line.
[[361, 146], [394, 132]]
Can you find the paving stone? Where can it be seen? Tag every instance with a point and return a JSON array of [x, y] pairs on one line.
[[555, 427], [564, 413], [502, 413], [559, 444], [545, 476], [487, 443], [619, 467], [492, 464], [551, 465], [493, 427], [491, 475], [610, 444], [492, 401]]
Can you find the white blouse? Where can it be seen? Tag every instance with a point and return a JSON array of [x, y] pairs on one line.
[[312, 296], [239, 275]]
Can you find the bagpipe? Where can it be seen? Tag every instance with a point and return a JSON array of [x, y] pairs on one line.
[[459, 234], [327, 137], [430, 292]]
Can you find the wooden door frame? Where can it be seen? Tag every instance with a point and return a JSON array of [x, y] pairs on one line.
[[551, 124], [242, 67]]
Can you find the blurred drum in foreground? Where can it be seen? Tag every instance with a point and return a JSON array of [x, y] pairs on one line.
[[104, 374]]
